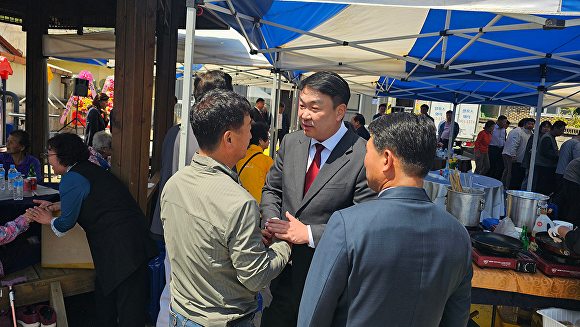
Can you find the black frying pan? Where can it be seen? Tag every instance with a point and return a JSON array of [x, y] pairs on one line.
[[496, 243], [547, 244]]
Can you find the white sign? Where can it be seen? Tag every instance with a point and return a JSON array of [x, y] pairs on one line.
[[466, 116]]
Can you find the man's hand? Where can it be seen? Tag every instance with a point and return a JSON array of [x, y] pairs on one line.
[[267, 237], [292, 231], [41, 215], [49, 205]]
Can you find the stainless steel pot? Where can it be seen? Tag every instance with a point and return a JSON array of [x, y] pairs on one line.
[[524, 207], [466, 207]]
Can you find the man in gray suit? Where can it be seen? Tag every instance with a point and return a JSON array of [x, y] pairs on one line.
[[397, 260], [317, 171]]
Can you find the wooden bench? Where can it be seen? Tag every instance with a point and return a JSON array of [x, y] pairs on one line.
[[48, 284]]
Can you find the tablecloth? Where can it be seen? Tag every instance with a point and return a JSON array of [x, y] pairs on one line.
[[494, 199], [40, 191], [536, 284]]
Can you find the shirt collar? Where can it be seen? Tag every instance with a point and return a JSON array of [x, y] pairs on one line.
[[381, 192], [213, 166], [331, 142]]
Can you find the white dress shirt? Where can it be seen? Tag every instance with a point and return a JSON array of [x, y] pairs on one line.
[[497, 136], [329, 145], [513, 134]]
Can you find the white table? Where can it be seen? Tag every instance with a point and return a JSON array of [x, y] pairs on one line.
[[494, 199]]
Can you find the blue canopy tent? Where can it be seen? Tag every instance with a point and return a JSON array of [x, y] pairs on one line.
[[491, 52]]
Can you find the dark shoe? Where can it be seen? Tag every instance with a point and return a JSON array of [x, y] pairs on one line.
[[46, 315], [27, 316], [6, 318]]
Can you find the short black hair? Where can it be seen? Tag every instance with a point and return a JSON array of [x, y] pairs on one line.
[[260, 100], [282, 105], [359, 118], [501, 117], [412, 138], [69, 148], [23, 138], [546, 123], [328, 83], [489, 124], [522, 122], [449, 112], [259, 132], [558, 124], [213, 79], [215, 113], [383, 105], [530, 120], [424, 105]]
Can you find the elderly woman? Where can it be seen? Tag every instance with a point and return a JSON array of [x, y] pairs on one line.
[[17, 146], [101, 150], [116, 228], [96, 118]]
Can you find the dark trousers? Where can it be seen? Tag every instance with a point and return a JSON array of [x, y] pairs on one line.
[[495, 162], [518, 174], [445, 144], [558, 196], [280, 136], [125, 305], [283, 311], [545, 180]]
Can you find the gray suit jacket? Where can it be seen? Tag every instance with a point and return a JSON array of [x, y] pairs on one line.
[[340, 183], [398, 260]]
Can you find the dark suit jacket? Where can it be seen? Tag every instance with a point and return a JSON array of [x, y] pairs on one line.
[[363, 132], [256, 115], [340, 183], [398, 260]]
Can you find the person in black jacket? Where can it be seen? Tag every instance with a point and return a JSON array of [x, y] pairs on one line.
[[358, 121], [97, 119], [116, 228], [283, 123]]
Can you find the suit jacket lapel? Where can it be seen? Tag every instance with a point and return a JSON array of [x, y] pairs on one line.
[[339, 157], [299, 161]]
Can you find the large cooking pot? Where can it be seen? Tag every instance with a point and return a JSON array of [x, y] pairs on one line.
[[466, 207], [524, 207], [496, 243]]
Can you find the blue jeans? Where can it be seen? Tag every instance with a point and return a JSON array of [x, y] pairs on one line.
[[177, 320]]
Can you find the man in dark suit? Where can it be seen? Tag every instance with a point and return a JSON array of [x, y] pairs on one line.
[[397, 260], [256, 112], [317, 171], [358, 121], [283, 122]]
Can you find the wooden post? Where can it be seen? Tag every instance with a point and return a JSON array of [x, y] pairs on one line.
[[57, 303], [131, 117], [35, 24], [167, 24]]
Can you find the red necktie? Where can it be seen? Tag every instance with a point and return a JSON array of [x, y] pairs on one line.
[[314, 168]]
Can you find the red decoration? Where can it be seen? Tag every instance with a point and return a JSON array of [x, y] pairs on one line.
[[5, 69]]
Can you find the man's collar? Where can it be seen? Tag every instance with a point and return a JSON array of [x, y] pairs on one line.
[[213, 165], [331, 142]]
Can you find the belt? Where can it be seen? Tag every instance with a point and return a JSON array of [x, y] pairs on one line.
[[233, 323]]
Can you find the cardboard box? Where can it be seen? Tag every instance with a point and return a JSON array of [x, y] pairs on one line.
[[69, 251]]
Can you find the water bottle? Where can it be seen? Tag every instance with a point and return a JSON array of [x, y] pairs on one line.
[[18, 187], [2, 181], [12, 172]]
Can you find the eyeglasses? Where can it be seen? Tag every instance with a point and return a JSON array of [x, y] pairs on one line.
[[46, 154]]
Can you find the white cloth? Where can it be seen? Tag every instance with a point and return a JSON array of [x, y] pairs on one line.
[[329, 145], [498, 136], [507, 149], [165, 299], [494, 201]]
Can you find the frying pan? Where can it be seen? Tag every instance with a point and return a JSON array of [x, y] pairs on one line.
[[497, 243], [547, 244]]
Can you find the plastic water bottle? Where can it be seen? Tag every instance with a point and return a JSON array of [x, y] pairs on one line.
[[12, 172], [2, 180], [18, 188]]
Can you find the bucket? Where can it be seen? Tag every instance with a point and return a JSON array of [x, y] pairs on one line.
[[466, 207], [524, 207]]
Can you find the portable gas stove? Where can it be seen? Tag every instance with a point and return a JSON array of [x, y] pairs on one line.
[[520, 262], [553, 265]]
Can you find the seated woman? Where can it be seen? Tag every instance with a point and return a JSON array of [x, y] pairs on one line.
[[101, 150], [254, 167], [116, 228], [17, 146]]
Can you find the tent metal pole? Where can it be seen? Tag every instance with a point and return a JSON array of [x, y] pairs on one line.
[[444, 46], [274, 105], [451, 129], [539, 108], [294, 109], [426, 55], [187, 70]]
